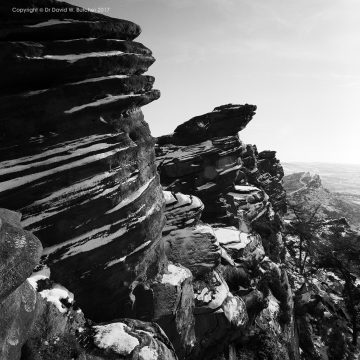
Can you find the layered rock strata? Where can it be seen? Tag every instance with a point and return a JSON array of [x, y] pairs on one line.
[[40, 319], [79, 163], [77, 157], [242, 295], [206, 158]]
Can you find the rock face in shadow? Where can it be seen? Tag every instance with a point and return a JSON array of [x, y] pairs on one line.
[[20, 252], [223, 121], [61, 331], [19, 303], [40, 319], [77, 157]]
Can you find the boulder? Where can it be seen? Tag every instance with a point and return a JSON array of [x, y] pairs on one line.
[[220, 317], [20, 252], [195, 248], [18, 312], [244, 248], [60, 331], [167, 299], [133, 339], [212, 294]]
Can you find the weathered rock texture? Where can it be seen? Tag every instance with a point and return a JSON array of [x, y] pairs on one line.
[[20, 252], [223, 121], [40, 320], [327, 297], [78, 161], [61, 331], [19, 304], [205, 157], [77, 157], [243, 306]]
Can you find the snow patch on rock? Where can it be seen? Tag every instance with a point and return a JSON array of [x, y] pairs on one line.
[[75, 57], [42, 274], [176, 275], [56, 294], [147, 353], [49, 23], [115, 337], [235, 310], [122, 259]]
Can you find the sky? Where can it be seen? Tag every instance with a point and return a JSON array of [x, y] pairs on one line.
[[298, 61]]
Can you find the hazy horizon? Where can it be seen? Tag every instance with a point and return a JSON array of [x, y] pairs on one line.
[[297, 61], [321, 162]]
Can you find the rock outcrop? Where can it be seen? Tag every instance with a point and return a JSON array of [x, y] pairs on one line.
[[306, 188], [233, 245], [225, 120], [40, 319], [209, 160], [186, 265], [327, 291], [62, 331], [19, 253], [77, 157], [181, 210]]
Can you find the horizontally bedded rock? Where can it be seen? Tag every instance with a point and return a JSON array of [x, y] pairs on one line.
[[206, 170], [199, 160], [264, 170], [181, 210], [78, 157], [243, 304], [223, 121]]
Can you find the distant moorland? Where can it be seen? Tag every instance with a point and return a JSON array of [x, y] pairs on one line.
[[339, 178]]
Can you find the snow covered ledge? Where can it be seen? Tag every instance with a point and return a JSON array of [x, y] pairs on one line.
[[176, 275], [115, 337], [56, 294]]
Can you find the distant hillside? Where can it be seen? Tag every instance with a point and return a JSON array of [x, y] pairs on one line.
[[303, 187], [342, 178]]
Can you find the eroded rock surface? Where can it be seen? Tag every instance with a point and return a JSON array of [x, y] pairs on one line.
[[208, 164], [20, 252], [181, 210], [61, 331], [79, 163], [223, 121], [78, 157], [243, 303]]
